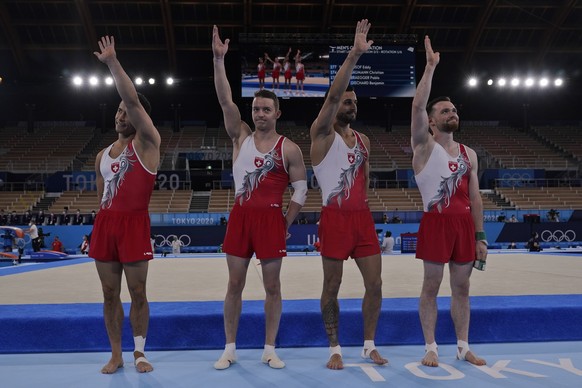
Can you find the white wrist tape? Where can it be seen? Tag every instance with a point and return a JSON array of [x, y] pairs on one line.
[[299, 192]]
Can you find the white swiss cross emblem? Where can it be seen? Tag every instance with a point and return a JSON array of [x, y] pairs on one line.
[[351, 158], [115, 167], [453, 166], [259, 162]]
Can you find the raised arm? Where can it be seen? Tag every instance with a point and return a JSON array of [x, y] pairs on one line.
[[147, 135], [235, 127], [322, 126], [419, 125]]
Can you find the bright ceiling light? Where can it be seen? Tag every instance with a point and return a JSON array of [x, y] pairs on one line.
[[77, 80]]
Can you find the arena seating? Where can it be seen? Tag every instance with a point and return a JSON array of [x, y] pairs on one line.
[[49, 149], [19, 201], [45, 150], [566, 138], [537, 198]]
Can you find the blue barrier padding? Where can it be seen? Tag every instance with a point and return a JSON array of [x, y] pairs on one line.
[[199, 325]]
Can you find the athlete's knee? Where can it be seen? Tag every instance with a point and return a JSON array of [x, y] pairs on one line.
[[373, 285], [460, 289], [331, 285], [110, 294], [273, 288], [430, 289], [137, 291], [236, 286]]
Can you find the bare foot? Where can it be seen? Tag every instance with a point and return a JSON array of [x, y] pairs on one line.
[[430, 359], [470, 357], [335, 362], [142, 365], [377, 358], [112, 366]]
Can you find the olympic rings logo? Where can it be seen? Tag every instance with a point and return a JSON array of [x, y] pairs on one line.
[[558, 235], [515, 179], [161, 240]]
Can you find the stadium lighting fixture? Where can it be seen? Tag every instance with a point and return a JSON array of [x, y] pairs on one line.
[[169, 81], [558, 82], [93, 81], [544, 82], [501, 82], [77, 81], [515, 82], [139, 81], [529, 82], [489, 82], [151, 81], [109, 81], [472, 82]]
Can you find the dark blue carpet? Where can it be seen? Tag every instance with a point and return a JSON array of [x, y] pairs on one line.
[[199, 325]]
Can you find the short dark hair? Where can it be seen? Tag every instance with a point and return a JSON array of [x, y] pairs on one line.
[[145, 103], [434, 101], [350, 88], [264, 93]]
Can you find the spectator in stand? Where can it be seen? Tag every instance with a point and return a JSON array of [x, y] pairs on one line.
[[3, 217], [13, 218], [26, 217], [57, 245], [92, 217], [512, 218], [52, 219], [40, 217], [65, 217], [512, 245], [78, 218]]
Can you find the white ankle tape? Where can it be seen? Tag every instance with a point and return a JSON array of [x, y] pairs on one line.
[[139, 343], [464, 346], [335, 350], [369, 346], [431, 348]]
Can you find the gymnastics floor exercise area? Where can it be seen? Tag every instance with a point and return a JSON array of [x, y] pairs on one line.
[[526, 322]]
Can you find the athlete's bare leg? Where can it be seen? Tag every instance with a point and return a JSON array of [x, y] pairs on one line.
[[433, 275], [273, 304], [332, 277], [139, 314], [371, 270], [460, 306], [110, 274], [237, 275]]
